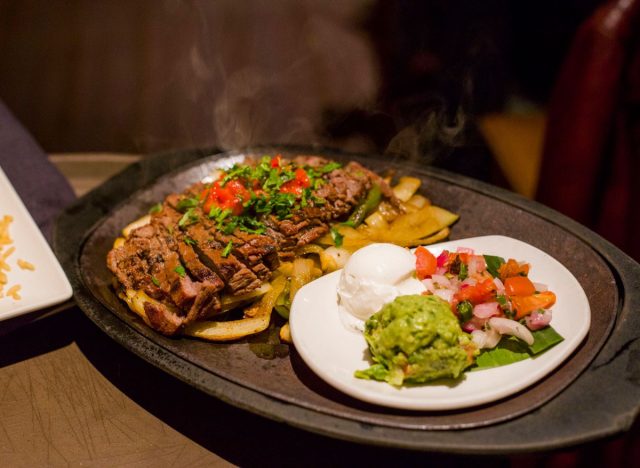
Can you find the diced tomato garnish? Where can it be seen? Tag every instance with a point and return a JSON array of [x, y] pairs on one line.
[[513, 268], [302, 178], [524, 305], [295, 186], [426, 263], [443, 258], [239, 190], [463, 256], [291, 187], [230, 197], [276, 161], [483, 291], [519, 286]]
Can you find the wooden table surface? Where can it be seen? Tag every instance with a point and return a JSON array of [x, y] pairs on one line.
[[70, 396]]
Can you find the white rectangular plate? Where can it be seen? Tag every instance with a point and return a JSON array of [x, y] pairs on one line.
[[47, 285]]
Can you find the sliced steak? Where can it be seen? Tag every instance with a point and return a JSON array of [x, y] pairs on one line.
[[183, 244], [181, 288], [257, 252], [312, 234], [239, 279], [162, 319], [132, 264], [186, 263], [207, 301], [206, 304]]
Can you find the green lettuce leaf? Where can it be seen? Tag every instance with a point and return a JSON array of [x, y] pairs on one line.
[[511, 349]]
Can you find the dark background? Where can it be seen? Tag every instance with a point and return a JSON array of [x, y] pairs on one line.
[[148, 75]]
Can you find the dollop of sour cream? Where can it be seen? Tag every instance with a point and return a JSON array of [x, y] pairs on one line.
[[372, 277]]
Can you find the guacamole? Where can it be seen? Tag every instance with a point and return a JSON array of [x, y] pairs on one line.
[[416, 339]]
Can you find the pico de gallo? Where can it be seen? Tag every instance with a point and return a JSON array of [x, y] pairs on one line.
[[490, 297], [239, 195]]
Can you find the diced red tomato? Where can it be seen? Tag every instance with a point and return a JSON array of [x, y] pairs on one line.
[[426, 263], [524, 305], [513, 268], [463, 256], [303, 178], [230, 197], [203, 194], [443, 258], [483, 291], [239, 190], [519, 286], [300, 182], [276, 161]]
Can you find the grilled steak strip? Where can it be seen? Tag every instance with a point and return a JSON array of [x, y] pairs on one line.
[[258, 253], [207, 302]]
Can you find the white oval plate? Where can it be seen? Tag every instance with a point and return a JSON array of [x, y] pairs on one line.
[[335, 352], [47, 285]]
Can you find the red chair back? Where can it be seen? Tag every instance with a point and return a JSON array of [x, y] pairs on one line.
[[591, 159]]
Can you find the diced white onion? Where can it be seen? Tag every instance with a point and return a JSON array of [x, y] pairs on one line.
[[428, 283], [485, 310], [469, 282], [506, 326], [445, 294], [441, 280], [537, 320], [485, 339]]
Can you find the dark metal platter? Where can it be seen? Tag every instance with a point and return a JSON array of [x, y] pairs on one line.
[[285, 389]]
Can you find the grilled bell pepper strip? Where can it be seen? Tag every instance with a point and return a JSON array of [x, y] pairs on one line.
[[367, 206]]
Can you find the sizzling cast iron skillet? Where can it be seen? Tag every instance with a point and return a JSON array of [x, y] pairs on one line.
[[592, 394]]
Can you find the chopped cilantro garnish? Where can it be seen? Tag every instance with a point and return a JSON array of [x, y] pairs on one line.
[[189, 241], [501, 299], [218, 215], [317, 183], [319, 171], [279, 204], [264, 182], [227, 249], [189, 217], [155, 281], [332, 166], [155, 208], [237, 172], [251, 225], [187, 203], [180, 270]]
